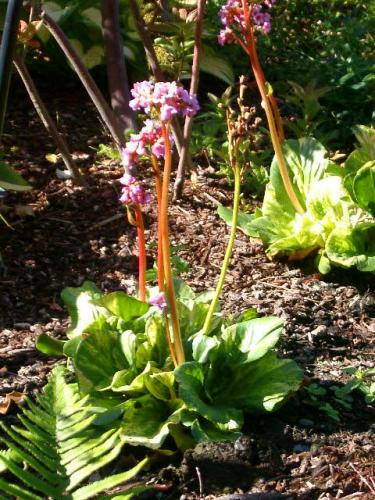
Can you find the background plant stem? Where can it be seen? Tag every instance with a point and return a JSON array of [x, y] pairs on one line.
[[116, 68], [108, 116], [182, 164]]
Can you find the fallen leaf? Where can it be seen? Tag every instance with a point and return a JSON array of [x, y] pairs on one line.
[[15, 397]]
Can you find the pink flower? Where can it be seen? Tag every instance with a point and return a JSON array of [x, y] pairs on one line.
[[142, 92], [232, 18], [167, 98], [149, 140], [132, 191], [159, 302]]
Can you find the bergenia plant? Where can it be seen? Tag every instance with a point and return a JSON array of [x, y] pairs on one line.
[[169, 363], [243, 20]]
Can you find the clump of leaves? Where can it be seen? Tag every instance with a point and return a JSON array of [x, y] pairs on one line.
[[363, 381], [338, 223], [118, 349], [58, 444], [332, 400]]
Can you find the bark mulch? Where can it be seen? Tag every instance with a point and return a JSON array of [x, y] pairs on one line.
[[63, 234]]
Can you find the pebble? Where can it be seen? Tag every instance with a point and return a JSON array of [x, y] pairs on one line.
[[306, 422], [300, 448]]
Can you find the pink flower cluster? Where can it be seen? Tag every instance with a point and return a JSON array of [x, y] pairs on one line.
[[231, 16], [132, 191], [159, 302], [167, 98], [148, 140]]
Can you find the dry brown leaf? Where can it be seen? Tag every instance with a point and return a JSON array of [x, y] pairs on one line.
[[15, 397]]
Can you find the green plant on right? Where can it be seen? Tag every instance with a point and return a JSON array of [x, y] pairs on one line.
[[338, 223]]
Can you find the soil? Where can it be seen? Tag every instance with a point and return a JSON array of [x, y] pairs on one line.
[[63, 234]]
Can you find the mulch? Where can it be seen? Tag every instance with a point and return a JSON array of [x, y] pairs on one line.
[[63, 234]]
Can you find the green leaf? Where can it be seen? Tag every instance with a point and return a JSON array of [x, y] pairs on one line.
[[364, 187], [252, 339], [190, 377], [146, 422], [258, 386], [122, 305], [49, 345], [216, 66], [11, 180], [83, 306], [243, 219], [98, 357], [348, 247], [307, 162]]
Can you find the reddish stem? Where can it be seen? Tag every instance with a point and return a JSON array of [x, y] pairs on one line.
[[158, 186], [273, 117], [141, 253], [167, 267]]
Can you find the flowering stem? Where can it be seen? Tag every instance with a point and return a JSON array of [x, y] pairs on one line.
[[164, 232], [228, 252], [236, 203], [270, 107], [141, 253], [159, 187]]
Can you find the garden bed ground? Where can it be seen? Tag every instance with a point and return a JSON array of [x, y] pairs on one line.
[[63, 235]]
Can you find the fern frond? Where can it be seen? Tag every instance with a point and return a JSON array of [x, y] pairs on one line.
[[57, 448]]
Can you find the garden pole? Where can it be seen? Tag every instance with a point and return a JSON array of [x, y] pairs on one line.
[[8, 45]]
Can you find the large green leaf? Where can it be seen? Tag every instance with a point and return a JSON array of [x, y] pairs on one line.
[[348, 247], [252, 339], [364, 187], [146, 421], [122, 305], [59, 447], [97, 358], [191, 382], [83, 306], [11, 180], [307, 162], [261, 385]]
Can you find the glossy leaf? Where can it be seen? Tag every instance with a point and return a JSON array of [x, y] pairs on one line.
[[11, 180]]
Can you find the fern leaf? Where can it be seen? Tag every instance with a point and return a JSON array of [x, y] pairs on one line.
[[56, 448]]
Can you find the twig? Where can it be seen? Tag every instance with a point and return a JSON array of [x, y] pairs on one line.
[[105, 221]]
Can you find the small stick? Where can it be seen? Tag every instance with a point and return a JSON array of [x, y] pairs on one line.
[[46, 119], [200, 481]]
